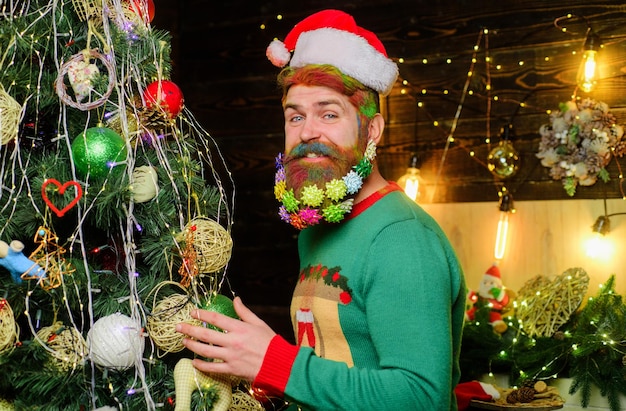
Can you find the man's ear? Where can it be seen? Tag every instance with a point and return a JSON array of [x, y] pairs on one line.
[[375, 128]]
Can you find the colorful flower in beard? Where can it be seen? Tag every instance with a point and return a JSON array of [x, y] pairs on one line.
[[319, 192], [301, 173]]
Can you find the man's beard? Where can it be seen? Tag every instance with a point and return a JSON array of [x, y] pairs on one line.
[[338, 162]]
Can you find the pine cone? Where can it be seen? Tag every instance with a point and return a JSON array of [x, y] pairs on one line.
[[154, 119], [526, 394], [620, 148], [594, 164], [512, 397]]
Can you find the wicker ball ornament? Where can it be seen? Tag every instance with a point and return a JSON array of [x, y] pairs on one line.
[[212, 243], [68, 346], [8, 327], [10, 113], [161, 324], [115, 341], [6, 405]]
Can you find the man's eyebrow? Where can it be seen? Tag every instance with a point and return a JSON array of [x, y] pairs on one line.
[[321, 103], [291, 105]]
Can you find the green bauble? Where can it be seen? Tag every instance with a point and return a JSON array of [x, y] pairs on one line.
[[97, 151], [220, 304]]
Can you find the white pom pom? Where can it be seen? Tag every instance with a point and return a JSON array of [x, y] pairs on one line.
[[277, 53]]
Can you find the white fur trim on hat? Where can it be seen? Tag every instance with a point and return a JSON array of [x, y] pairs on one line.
[[350, 53], [277, 53], [490, 389]]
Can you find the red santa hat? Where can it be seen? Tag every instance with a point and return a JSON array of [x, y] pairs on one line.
[[333, 37], [474, 390], [494, 272]]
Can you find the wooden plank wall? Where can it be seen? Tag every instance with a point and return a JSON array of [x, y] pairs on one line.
[[220, 64]]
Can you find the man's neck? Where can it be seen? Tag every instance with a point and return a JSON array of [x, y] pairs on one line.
[[371, 185]]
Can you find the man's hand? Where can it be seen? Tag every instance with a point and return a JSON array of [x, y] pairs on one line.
[[239, 350]]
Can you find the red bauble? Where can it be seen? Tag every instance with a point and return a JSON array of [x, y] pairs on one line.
[[165, 95], [138, 6]]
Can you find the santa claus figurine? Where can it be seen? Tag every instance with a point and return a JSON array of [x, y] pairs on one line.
[[490, 294]]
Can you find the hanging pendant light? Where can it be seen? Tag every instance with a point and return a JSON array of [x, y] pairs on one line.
[[587, 75], [411, 181], [503, 160], [506, 208], [600, 246]]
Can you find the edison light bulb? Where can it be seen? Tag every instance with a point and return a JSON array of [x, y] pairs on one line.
[[588, 71], [587, 75], [411, 182], [599, 247], [501, 235], [506, 208]]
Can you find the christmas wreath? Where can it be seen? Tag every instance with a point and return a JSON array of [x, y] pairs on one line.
[[579, 142]]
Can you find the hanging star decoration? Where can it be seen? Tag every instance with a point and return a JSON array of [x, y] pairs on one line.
[[189, 267], [50, 256]]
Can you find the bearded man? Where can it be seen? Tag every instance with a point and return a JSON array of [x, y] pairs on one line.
[[379, 303]]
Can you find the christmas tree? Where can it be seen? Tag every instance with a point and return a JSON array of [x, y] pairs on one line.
[[115, 219], [587, 347]]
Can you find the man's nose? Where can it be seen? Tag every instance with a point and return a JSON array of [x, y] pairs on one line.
[[310, 130]]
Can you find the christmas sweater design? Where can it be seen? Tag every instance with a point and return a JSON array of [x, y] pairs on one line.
[[315, 315]]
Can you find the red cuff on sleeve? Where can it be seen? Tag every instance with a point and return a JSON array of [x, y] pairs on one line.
[[276, 367]]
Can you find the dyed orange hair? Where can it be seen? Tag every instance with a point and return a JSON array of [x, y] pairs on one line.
[[362, 97]]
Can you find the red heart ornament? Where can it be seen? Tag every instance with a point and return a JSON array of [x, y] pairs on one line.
[[61, 190]]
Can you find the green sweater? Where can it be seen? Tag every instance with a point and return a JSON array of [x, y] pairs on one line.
[[377, 311]]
